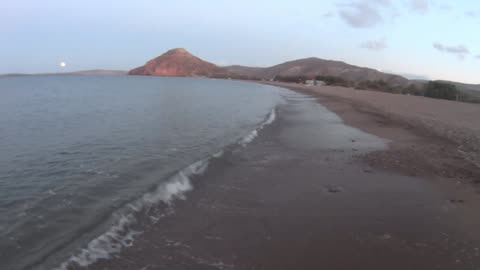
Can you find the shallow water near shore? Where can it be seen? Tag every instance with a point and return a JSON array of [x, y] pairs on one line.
[[83, 157]]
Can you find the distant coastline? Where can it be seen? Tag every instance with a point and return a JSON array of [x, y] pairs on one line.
[[179, 62], [80, 72]]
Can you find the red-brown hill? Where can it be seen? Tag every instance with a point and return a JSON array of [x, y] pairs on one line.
[[178, 63]]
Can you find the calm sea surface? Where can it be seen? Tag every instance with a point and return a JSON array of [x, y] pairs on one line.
[[79, 154]]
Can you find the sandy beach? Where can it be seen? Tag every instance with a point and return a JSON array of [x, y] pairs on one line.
[[430, 131], [384, 182]]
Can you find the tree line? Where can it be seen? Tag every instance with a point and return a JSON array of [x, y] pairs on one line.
[[431, 89]]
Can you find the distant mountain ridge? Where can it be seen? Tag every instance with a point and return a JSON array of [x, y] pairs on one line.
[[311, 67], [180, 63]]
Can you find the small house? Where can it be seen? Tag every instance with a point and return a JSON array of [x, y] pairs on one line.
[[310, 82]]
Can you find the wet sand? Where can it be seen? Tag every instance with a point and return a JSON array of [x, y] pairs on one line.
[[430, 137], [305, 194]]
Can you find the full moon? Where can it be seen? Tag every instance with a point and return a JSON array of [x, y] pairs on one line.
[[63, 64]]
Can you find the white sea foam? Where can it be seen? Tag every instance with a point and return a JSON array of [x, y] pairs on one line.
[[218, 154], [271, 117], [249, 138], [254, 133], [122, 235], [102, 247]]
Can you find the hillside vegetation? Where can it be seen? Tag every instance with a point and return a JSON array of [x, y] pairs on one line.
[[431, 89]]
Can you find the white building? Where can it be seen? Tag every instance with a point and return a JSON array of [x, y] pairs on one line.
[[310, 82], [314, 82]]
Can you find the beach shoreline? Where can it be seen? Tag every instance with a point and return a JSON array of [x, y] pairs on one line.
[[429, 137], [302, 197]]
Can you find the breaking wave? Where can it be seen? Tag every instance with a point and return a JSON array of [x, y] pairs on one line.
[[123, 233], [254, 133]]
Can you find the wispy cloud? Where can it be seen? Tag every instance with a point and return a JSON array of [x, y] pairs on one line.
[[460, 50], [374, 45], [421, 6], [362, 13], [472, 13], [451, 49], [328, 14], [445, 7], [478, 56]]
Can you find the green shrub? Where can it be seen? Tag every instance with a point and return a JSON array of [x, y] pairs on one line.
[[412, 89], [333, 80], [291, 79], [441, 90], [377, 86]]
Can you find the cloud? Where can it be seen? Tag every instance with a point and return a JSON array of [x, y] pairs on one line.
[[363, 13], [460, 51], [445, 7], [451, 49], [472, 13], [478, 56], [328, 14], [420, 6], [373, 45]]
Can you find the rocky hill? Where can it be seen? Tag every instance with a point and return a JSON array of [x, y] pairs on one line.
[[179, 63]]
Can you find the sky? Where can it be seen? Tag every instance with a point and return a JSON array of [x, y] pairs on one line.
[[434, 39]]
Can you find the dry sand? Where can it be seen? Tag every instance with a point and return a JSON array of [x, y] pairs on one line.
[[429, 136]]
